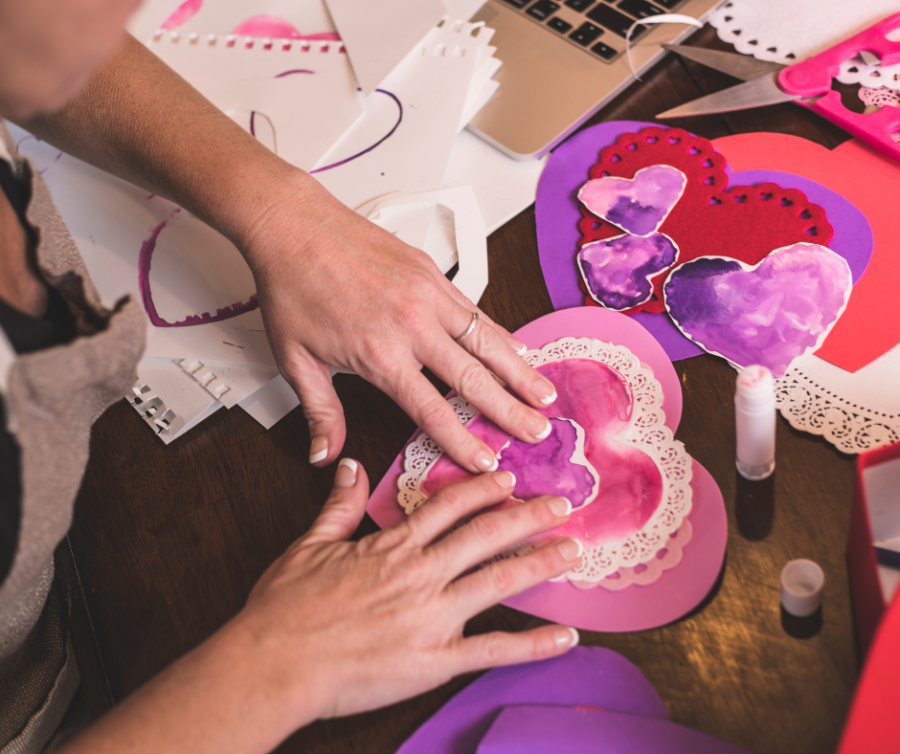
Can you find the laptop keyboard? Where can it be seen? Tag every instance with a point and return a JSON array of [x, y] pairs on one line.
[[584, 22]]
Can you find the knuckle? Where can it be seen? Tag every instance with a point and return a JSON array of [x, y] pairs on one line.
[[501, 577], [473, 380], [495, 649], [485, 527], [436, 414]]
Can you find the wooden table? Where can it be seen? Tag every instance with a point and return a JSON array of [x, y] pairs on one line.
[[167, 541]]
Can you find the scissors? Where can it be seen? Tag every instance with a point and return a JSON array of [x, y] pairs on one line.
[[807, 83]]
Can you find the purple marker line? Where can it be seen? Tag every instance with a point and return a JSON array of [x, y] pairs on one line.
[[253, 123], [292, 72], [204, 318], [368, 149]]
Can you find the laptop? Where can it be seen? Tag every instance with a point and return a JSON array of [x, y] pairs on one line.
[[563, 61]]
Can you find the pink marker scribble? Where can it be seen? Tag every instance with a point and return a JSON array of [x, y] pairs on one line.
[[192, 320], [277, 28], [184, 13]]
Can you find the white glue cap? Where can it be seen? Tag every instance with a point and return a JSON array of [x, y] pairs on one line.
[[755, 389], [801, 587]]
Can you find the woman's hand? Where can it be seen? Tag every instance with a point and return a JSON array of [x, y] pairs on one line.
[[336, 289], [351, 626]]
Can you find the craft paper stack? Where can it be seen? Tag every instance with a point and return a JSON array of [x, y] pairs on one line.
[[372, 102]]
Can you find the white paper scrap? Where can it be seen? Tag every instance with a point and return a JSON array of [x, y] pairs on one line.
[[271, 403], [378, 34]]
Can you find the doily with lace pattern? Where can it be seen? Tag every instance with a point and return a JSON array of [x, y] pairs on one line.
[[644, 430]]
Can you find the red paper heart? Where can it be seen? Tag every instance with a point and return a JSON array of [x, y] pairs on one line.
[[710, 219]]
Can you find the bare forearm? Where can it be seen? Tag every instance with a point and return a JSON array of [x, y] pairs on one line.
[[221, 697], [139, 120]]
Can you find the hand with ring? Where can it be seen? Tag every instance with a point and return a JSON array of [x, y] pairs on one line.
[[335, 289]]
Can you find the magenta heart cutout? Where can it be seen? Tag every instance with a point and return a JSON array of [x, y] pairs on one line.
[[618, 271], [204, 318], [637, 205], [770, 314]]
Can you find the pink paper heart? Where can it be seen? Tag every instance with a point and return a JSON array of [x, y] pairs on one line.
[[638, 205], [770, 314]]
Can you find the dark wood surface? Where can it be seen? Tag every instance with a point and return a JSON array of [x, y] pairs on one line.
[[167, 541]]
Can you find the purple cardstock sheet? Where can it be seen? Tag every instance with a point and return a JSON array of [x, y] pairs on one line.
[[557, 216], [539, 729], [591, 677]]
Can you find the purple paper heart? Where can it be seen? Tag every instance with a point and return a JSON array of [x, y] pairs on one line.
[[556, 466], [637, 205], [617, 271], [768, 314]]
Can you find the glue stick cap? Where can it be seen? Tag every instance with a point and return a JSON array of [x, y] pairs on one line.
[[801, 587], [755, 389]]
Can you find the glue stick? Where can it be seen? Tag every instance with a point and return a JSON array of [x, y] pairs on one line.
[[754, 413]]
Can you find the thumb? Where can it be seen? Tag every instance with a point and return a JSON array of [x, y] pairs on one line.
[[311, 379], [345, 507]]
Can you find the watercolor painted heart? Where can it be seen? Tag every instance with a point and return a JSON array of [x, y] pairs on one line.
[[709, 218], [262, 26], [556, 466], [637, 205], [770, 314], [559, 214], [193, 287], [617, 271], [599, 399]]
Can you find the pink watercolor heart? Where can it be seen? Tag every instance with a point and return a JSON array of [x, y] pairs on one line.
[[618, 271], [638, 205], [771, 313], [145, 258]]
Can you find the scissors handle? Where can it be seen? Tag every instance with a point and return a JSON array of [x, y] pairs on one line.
[[812, 78]]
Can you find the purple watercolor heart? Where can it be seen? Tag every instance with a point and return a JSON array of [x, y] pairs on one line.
[[637, 205], [617, 271], [769, 314], [556, 466]]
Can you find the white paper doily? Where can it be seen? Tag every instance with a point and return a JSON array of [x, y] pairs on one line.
[[647, 431], [788, 32], [854, 71], [854, 411]]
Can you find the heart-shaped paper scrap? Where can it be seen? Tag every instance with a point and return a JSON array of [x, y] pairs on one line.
[[617, 270], [742, 222], [770, 314], [637, 205]]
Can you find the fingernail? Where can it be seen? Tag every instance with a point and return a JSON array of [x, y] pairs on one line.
[[566, 637], [560, 506], [545, 392], [318, 449], [571, 549], [346, 473], [485, 461], [505, 479], [517, 346], [538, 427]]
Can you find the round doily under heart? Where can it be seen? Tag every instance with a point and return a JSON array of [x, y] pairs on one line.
[[636, 608], [657, 546]]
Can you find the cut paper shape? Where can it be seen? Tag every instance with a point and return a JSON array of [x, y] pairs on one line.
[[677, 591], [643, 495], [590, 677], [537, 729], [617, 271], [558, 215], [710, 219], [865, 178], [638, 205], [378, 36], [649, 572], [555, 466], [271, 27], [769, 314]]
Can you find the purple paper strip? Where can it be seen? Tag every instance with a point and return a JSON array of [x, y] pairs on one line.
[[538, 729], [557, 216], [586, 676]]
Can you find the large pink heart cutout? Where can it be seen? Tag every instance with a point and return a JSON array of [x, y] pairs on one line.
[[634, 608]]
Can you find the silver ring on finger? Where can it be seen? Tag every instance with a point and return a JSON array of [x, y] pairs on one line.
[[470, 328]]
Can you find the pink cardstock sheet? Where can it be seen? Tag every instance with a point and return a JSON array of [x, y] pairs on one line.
[[637, 607]]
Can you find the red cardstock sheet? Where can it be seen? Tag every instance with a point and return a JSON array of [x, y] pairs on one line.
[[871, 182], [710, 219]]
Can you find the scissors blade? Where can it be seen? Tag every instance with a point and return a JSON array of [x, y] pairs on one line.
[[755, 93], [743, 67]]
